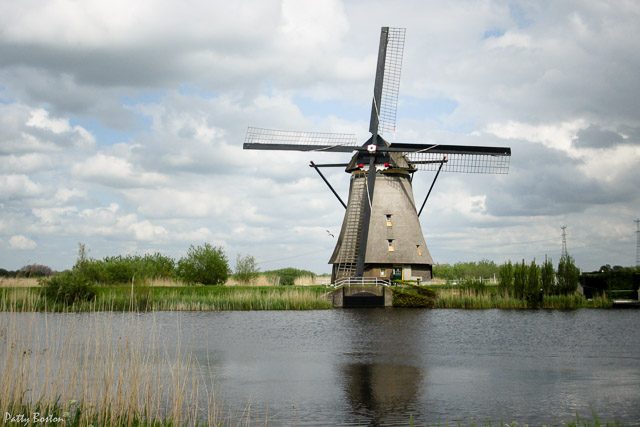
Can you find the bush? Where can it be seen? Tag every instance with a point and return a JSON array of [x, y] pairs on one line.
[[402, 298], [204, 264], [67, 288]]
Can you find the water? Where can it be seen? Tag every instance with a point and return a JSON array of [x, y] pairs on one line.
[[383, 366]]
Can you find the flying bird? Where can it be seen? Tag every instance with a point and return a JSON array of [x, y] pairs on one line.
[[329, 233]]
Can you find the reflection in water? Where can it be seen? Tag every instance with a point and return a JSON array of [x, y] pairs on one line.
[[380, 372], [377, 391]]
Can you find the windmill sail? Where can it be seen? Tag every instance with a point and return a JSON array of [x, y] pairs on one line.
[[387, 85], [271, 139], [460, 158]]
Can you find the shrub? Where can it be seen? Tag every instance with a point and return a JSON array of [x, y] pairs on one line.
[[204, 264], [68, 288], [402, 298]]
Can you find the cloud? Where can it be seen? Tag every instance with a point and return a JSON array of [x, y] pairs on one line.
[[22, 243], [595, 137], [122, 125], [114, 171]]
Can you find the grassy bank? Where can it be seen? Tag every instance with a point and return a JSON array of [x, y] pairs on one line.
[[174, 298]]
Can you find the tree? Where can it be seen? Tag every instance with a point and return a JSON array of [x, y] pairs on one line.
[[506, 278], [204, 264], [548, 276], [520, 273], [568, 275], [532, 291], [246, 268], [36, 270]]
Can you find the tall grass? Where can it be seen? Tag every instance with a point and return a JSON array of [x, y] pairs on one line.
[[472, 299], [83, 370], [178, 298]]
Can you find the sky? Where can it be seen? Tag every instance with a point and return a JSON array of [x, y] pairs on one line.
[[122, 124]]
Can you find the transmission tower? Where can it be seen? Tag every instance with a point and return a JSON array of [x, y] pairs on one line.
[[637, 221], [564, 242]]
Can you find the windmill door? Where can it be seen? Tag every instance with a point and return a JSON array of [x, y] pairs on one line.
[[396, 273]]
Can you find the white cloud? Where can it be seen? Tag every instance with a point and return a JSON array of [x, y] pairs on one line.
[[40, 119], [18, 186], [115, 171], [21, 242]]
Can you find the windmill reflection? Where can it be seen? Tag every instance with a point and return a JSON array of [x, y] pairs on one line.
[[381, 392]]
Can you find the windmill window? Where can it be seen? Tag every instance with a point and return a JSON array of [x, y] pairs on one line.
[[383, 272], [390, 245], [388, 220], [419, 250]]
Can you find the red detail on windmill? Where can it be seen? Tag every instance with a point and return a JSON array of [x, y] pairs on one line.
[[371, 148], [386, 165], [360, 165]]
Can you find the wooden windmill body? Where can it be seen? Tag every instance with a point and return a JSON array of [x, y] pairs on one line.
[[381, 234]]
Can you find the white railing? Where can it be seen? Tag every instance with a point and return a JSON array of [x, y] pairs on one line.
[[361, 281]]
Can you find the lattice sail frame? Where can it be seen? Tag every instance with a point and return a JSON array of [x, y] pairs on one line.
[[460, 162], [391, 83], [312, 140]]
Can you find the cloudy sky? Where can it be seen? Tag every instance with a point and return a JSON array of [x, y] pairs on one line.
[[122, 123]]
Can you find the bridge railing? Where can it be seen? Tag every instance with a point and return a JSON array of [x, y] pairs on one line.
[[361, 281]]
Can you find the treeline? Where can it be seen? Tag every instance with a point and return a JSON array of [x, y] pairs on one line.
[[31, 270], [617, 281], [206, 265], [531, 282], [484, 269]]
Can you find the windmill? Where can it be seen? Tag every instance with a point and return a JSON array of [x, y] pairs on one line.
[[381, 234]]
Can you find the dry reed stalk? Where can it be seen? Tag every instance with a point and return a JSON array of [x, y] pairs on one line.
[[261, 280], [18, 282], [162, 282], [305, 281]]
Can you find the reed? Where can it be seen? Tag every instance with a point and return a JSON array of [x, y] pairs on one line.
[[178, 298], [18, 282], [471, 299], [83, 371], [260, 280]]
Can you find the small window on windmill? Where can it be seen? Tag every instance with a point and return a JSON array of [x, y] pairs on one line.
[[388, 220], [390, 245], [383, 272], [419, 250]]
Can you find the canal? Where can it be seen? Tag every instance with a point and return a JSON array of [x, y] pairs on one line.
[[387, 366]]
